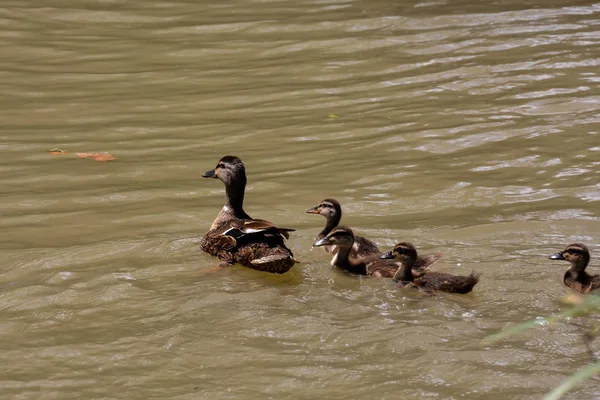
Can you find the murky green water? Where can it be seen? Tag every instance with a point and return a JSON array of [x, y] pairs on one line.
[[469, 129]]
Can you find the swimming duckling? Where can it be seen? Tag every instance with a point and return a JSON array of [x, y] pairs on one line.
[[236, 237], [576, 277], [343, 238], [363, 247], [332, 211], [406, 254]]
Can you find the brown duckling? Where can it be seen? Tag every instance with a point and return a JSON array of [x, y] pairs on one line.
[[331, 209], [343, 238], [406, 254], [576, 277], [236, 237]]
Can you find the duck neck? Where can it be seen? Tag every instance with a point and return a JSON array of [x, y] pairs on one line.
[[342, 257], [404, 273], [342, 260], [234, 196], [578, 266], [332, 222]]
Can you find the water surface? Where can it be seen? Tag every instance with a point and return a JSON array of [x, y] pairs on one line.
[[468, 129]]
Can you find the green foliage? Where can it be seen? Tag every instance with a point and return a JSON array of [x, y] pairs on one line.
[[573, 381], [579, 306]]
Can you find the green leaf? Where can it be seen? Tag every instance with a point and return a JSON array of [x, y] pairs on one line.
[[573, 381], [589, 305]]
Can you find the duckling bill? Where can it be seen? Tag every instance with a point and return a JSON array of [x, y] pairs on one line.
[[576, 276], [234, 236], [406, 254]]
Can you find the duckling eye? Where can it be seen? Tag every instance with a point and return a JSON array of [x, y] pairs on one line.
[[219, 165]]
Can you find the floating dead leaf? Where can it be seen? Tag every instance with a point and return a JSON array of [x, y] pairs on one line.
[[333, 116], [97, 156], [57, 151]]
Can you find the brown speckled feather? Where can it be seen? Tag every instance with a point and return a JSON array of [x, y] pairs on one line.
[[582, 285], [381, 268]]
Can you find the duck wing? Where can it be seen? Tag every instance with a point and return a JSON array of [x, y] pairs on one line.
[[363, 247], [381, 268], [585, 284], [424, 262], [244, 227], [215, 244]]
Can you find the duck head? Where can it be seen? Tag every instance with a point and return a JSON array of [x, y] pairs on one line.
[[329, 208], [576, 253], [341, 236], [404, 252], [229, 169]]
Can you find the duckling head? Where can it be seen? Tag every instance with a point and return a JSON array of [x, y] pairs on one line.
[[329, 208], [229, 169], [404, 252], [341, 236], [576, 253]]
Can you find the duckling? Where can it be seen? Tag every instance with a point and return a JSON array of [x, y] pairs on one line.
[[332, 211], [406, 254], [576, 278], [343, 238], [234, 236], [363, 247]]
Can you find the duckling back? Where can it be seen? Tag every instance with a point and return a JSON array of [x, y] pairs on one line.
[[446, 282]]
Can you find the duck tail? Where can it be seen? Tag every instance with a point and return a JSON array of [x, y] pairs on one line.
[[470, 282], [285, 232]]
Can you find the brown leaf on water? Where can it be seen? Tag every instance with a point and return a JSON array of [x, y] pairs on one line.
[[57, 151], [97, 156]]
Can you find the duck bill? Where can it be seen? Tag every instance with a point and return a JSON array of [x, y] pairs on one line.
[[313, 210], [321, 242], [387, 255], [209, 174], [557, 256]]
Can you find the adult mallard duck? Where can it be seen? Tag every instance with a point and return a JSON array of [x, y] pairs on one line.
[[234, 236], [406, 254], [576, 278], [331, 209], [343, 238]]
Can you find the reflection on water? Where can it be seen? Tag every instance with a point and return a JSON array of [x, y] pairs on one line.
[[469, 129]]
